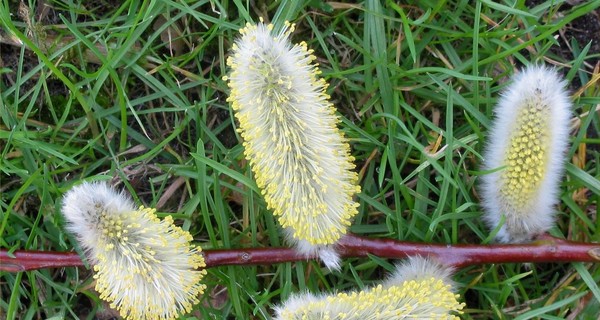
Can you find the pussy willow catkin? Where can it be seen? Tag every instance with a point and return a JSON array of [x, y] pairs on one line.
[[300, 159], [419, 289], [144, 266], [526, 146]]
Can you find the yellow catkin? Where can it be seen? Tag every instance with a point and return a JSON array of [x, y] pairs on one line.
[[419, 289], [525, 155], [144, 266], [300, 159], [425, 299]]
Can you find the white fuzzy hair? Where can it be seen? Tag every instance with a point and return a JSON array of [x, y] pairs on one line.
[[81, 208], [419, 268]]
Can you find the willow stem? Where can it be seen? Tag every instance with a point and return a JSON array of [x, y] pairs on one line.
[[544, 249]]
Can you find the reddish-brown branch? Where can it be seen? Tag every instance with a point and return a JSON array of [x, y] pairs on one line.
[[32, 260], [545, 249]]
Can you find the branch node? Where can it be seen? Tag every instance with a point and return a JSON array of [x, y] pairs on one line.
[[595, 253]]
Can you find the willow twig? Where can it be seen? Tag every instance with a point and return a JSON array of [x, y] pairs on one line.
[[545, 249]]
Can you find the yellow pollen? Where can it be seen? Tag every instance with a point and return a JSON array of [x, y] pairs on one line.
[[526, 157]]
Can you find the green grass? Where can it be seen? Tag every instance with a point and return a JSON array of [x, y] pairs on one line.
[[115, 99]]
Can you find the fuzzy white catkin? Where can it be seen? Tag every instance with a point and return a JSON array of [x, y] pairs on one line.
[[145, 267], [419, 289], [526, 148], [300, 159]]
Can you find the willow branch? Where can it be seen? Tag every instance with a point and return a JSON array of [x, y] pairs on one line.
[[545, 249]]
